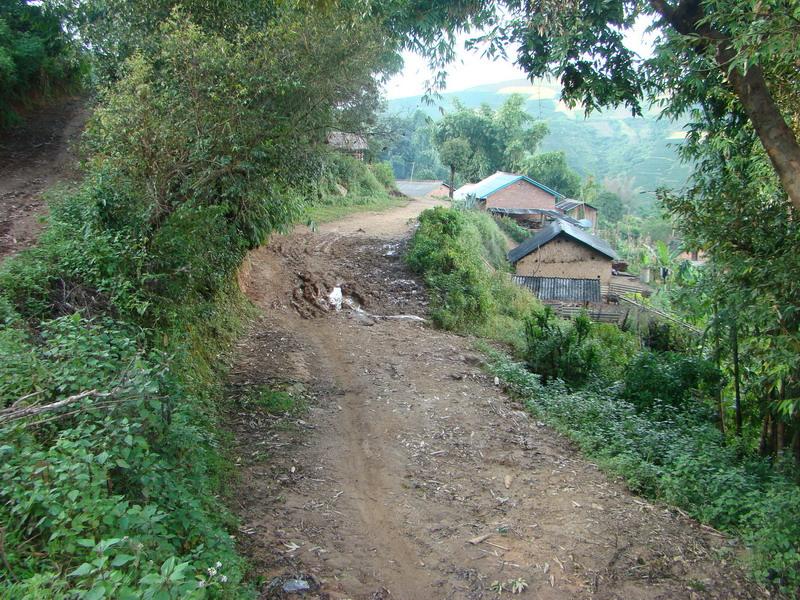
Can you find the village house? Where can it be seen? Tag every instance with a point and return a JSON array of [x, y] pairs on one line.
[[562, 262], [348, 143], [527, 201], [578, 210]]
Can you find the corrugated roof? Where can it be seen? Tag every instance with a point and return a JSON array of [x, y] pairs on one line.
[[554, 214], [464, 191], [496, 182], [552, 231], [569, 203], [563, 289]]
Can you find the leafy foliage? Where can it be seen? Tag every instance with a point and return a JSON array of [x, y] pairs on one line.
[[462, 256], [476, 143], [560, 349], [551, 169], [672, 378], [36, 57]]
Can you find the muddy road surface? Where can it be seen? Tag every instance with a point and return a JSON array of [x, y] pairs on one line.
[[409, 474], [33, 157]]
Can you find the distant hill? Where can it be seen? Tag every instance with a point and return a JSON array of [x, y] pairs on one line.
[[607, 144]]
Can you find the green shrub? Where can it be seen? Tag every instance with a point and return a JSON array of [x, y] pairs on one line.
[[672, 378], [558, 349], [384, 174], [454, 272], [513, 229], [352, 174], [115, 491], [461, 254]]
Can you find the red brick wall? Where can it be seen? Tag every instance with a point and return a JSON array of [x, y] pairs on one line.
[[521, 194]]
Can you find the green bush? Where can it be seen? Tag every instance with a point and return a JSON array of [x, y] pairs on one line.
[[459, 281], [109, 497], [461, 254], [558, 349], [578, 351], [352, 174], [36, 57], [384, 174], [671, 378]]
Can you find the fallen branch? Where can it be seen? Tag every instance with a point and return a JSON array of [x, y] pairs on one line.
[[16, 413]]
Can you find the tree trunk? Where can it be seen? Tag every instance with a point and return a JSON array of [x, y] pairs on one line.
[[750, 88], [736, 384], [718, 361], [452, 180], [776, 136], [780, 440], [763, 443]]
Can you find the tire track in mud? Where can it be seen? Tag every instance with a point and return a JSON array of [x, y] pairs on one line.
[[408, 451]]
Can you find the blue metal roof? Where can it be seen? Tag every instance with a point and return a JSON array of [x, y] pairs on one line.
[[494, 183], [552, 231]]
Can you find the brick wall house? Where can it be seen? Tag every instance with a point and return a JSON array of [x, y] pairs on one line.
[[506, 190]]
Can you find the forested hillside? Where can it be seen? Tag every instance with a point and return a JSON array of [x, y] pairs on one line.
[[642, 151]]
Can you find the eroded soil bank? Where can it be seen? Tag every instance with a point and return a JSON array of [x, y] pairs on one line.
[[411, 475]]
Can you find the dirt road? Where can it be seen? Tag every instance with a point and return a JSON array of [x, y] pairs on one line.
[[411, 475], [34, 156]]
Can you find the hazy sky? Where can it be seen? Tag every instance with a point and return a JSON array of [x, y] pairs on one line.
[[470, 69]]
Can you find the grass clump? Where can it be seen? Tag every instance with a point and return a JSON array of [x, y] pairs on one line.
[[461, 254], [274, 401], [513, 229]]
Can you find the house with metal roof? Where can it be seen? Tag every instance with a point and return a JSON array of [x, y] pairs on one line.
[[578, 210], [582, 262], [507, 190]]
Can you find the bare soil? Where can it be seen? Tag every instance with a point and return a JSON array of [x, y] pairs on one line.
[[33, 157], [411, 475]]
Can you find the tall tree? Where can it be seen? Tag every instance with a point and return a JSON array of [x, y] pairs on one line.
[[455, 153], [497, 140], [551, 169]]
